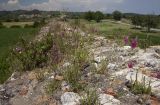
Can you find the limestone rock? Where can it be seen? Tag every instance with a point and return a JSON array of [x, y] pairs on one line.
[[112, 66], [70, 98], [106, 99]]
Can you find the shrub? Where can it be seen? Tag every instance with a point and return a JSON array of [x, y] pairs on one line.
[[15, 26], [31, 55]]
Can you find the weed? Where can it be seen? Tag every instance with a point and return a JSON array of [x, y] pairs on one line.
[[72, 75], [140, 88], [40, 75], [91, 98], [80, 56], [103, 67], [53, 86]]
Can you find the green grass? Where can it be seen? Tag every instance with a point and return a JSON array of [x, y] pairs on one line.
[[110, 28], [10, 36], [22, 24], [8, 39]]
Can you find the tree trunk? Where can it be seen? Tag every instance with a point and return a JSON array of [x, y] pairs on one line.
[[148, 29]]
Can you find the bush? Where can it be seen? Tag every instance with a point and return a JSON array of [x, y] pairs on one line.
[[28, 26], [15, 26], [31, 55]]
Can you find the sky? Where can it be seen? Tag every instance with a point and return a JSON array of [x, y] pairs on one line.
[[107, 6]]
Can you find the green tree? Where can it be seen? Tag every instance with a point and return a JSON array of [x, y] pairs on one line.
[[89, 15], [117, 15], [98, 16], [36, 24], [137, 20], [150, 21], [16, 20]]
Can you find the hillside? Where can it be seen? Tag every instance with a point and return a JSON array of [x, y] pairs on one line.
[[67, 65]]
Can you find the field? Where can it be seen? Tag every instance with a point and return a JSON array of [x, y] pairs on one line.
[[10, 36], [109, 28], [22, 24]]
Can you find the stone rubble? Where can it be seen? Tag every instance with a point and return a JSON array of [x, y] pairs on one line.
[[26, 89]]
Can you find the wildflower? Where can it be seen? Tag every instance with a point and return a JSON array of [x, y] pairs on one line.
[[130, 64], [134, 43], [126, 40]]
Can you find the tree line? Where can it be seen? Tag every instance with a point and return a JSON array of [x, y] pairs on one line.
[[146, 21], [98, 16], [142, 21]]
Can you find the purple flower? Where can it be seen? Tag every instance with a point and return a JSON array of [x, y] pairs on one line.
[[134, 43], [126, 40], [130, 64]]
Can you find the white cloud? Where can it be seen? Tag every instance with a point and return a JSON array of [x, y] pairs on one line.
[[69, 5], [13, 1], [75, 5]]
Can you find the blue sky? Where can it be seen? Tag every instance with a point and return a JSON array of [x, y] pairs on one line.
[[136, 6]]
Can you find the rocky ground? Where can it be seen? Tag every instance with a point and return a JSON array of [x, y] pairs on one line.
[[110, 84]]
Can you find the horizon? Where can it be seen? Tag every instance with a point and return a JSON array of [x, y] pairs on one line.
[[106, 6]]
